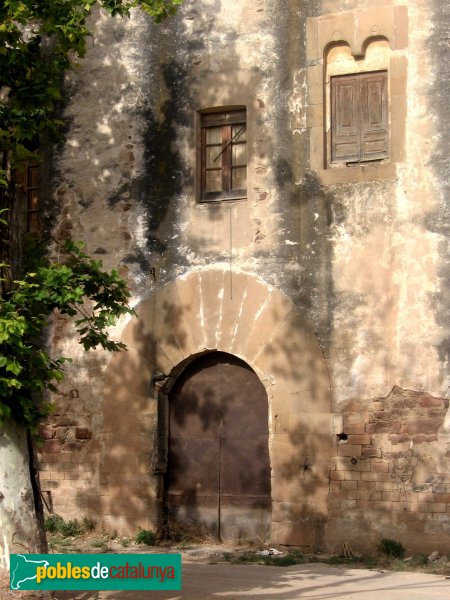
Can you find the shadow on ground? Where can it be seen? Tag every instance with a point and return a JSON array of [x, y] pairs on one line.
[[318, 581]]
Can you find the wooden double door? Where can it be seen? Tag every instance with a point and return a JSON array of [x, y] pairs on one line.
[[218, 473]]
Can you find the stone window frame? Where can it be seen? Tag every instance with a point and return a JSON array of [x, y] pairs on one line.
[[226, 116], [355, 29]]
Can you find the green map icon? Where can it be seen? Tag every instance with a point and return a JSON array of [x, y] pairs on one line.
[[24, 570]]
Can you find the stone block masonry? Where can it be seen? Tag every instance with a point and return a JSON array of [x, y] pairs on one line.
[[390, 476]]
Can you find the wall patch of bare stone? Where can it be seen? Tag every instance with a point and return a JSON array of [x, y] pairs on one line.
[[391, 472]]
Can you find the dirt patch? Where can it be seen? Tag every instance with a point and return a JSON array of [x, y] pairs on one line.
[[7, 594], [209, 553]]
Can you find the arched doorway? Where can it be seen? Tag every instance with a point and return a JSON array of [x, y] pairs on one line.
[[218, 463], [258, 323]]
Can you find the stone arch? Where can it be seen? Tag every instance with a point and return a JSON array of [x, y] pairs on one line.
[[238, 313]]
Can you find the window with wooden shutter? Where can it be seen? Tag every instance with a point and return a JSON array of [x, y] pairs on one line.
[[223, 155], [359, 117]]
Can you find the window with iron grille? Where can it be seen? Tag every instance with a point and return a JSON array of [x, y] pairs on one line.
[[223, 155], [359, 117]]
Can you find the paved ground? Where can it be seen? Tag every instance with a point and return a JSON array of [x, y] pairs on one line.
[[315, 581]]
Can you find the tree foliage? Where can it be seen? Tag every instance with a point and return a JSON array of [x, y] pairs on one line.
[[39, 40], [27, 371]]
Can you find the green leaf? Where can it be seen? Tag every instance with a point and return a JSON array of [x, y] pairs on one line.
[[77, 286]]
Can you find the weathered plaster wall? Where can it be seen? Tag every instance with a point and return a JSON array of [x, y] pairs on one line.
[[388, 324], [360, 252]]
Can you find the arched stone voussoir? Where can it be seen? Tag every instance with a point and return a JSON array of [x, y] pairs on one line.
[[212, 300], [212, 290], [242, 313], [160, 322], [273, 310], [188, 290], [290, 347], [217, 304]]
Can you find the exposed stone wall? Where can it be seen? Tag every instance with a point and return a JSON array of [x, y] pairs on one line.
[[70, 456], [391, 473]]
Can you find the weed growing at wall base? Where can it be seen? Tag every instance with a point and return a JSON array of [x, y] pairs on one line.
[[56, 524], [391, 548], [146, 537]]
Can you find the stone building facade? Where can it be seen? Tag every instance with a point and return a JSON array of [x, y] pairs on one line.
[[270, 178]]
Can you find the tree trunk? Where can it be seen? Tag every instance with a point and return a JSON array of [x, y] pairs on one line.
[[21, 520]]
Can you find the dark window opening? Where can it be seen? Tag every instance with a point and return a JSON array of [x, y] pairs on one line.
[[223, 155], [26, 183], [31, 188], [359, 117]]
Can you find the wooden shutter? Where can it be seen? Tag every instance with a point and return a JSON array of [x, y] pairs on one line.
[[359, 117], [345, 137], [374, 116]]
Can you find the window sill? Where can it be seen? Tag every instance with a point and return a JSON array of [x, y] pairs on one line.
[[222, 199], [358, 173]]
